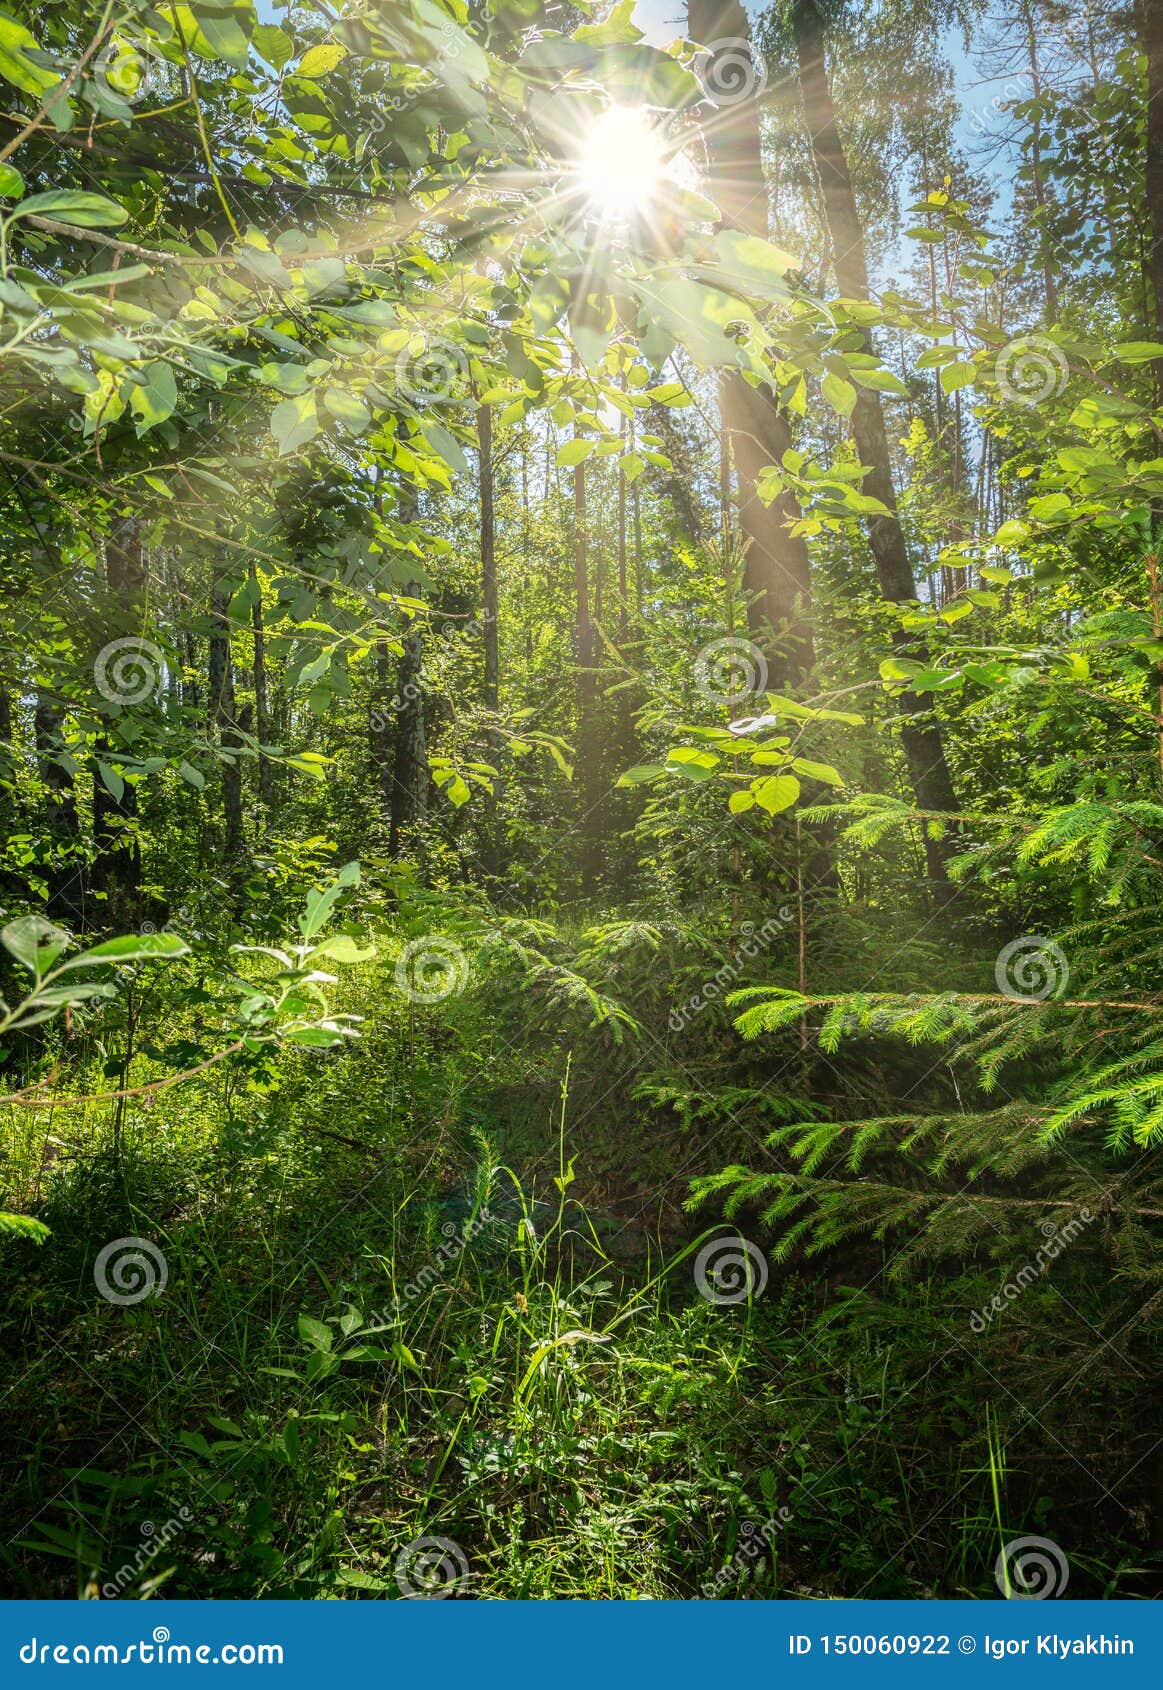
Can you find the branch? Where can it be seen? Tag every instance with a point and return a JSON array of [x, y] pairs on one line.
[[22, 1100], [60, 91]]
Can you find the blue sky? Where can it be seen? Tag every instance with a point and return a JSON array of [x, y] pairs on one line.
[[663, 20]]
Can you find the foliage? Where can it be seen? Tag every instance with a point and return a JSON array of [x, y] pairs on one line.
[[392, 522]]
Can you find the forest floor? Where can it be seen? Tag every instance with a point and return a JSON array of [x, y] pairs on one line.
[[394, 1310]]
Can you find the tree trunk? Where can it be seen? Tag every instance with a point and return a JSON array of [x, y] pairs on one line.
[[777, 575], [1037, 179], [66, 899], [924, 751], [587, 690], [224, 719], [117, 853], [1149, 24], [379, 727], [262, 709], [409, 777], [490, 632]]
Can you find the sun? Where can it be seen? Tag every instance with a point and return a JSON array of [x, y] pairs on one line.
[[622, 165]]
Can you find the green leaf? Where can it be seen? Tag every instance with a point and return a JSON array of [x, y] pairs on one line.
[[954, 376], [840, 394], [275, 46], [617, 29], [348, 407], [640, 773], [222, 31], [34, 941], [321, 899], [341, 948], [691, 763], [1138, 351], [318, 61], [196, 1442], [740, 801], [314, 1038], [899, 669], [574, 452], [221, 1424], [294, 422], [957, 611], [132, 947], [308, 763], [1013, 532], [453, 785], [1051, 507], [881, 381], [315, 1333], [15, 67], [156, 397], [817, 771], [755, 265], [354, 1578], [75, 206], [444, 445], [776, 792], [11, 182]]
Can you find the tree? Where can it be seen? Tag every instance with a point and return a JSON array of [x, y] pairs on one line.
[[777, 574], [921, 737]]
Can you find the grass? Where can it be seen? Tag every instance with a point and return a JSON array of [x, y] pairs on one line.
[[388, 1317]]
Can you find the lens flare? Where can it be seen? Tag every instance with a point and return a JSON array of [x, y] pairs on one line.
[[622, 165]]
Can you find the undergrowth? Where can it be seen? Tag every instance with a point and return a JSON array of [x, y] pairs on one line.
[[399, 1306]]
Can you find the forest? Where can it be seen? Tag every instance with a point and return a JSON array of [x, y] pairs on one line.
[[581, 760]]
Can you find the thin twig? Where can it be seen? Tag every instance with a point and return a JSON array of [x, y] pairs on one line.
[[21, 1099]]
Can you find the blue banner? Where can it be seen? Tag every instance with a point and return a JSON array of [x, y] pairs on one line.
[[567, 1644]]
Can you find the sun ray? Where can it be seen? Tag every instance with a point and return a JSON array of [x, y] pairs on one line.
[[622, 166]]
